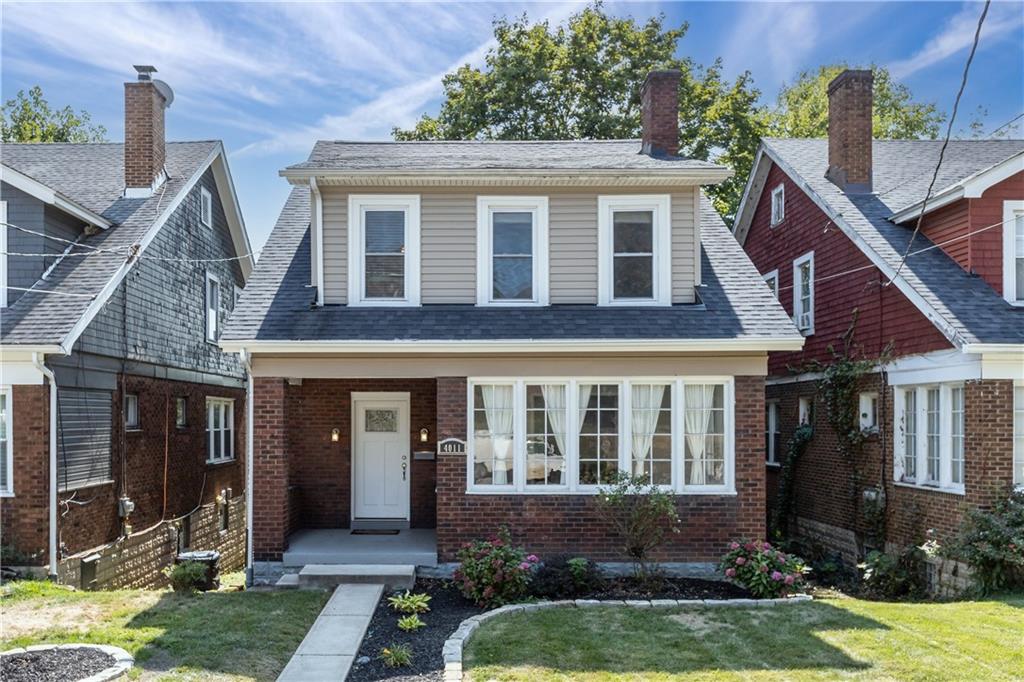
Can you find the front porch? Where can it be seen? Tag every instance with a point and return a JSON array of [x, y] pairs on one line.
[[339, 546]]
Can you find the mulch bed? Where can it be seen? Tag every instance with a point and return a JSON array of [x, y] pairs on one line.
[[448, 608], [54, 665]]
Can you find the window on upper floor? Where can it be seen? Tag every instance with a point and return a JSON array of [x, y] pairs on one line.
[[3, 254], [512, 250], [803, 293], [205, 207], [929, 436], [6, 448], [212, 307], [131, 411], [772, 433], [772, 280], [778, 205], [384, 247], [1013, 252], [634, 243]]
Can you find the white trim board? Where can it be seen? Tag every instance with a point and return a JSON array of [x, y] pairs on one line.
[[486, 206], [1010, 210], [51, 196]]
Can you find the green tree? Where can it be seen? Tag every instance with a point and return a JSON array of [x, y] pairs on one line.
[[29, 118]]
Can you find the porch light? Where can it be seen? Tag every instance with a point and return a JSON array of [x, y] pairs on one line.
[[424, 434], [335, 435]]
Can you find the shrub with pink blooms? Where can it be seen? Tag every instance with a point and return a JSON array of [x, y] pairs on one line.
[[494, 572], [766, 571]]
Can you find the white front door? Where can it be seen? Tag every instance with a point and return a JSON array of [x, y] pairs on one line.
[[381, 466]]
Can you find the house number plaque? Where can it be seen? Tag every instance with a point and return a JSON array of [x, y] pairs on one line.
[[451, 446]]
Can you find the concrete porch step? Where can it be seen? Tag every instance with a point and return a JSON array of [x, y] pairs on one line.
[[288, 581], [393, 577]]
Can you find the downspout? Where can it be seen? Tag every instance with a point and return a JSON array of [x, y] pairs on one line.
[[39, 361], [318, 217], [247, 363]]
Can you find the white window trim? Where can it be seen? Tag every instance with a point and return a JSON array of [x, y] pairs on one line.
[[1010, 293], [1014, 454], [805, 411], [771, 427], [130, 425], [485, 206], [7, 487], [211, 334], [227, 426], [774, 277], [797, 293], [205, 201], [945, 483], [778, 217], [573, 487], [661, 206], [3, 254], [357, 203]]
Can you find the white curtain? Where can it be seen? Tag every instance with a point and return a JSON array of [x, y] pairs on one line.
[[498, 409], [699, 401], [554, 408], [646, 404]]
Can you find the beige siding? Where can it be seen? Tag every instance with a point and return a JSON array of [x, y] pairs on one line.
[[448, 242]]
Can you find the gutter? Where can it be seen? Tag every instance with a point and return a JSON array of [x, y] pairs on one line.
[[249, 468], [39, 361], [301, 176]]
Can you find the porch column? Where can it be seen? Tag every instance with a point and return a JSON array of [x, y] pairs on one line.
[[451, 467], [270, 470]]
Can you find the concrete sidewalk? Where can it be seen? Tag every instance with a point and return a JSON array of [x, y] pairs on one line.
[[329, 648]]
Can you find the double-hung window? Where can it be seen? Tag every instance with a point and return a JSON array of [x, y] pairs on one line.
[[384, 250], [212, 307], [772, 280], [131, 411], [220, 430], [778, 205], [576, 435], [929, 433], [1013, 251], [634, 245], [205, 207], [512, 250], [6, 449], [1018, 435], [803, 293], [772, 433]]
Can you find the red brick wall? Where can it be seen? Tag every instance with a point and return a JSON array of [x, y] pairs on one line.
[[549, 524], [190, 480], [885, 315], [143, 134], [270, 500], [659, 113]]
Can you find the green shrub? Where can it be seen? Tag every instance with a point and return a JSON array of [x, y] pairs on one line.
[[641, 515], [410, 603], [562, 577], [187, 577], [396, 655], [991, 542], [895, 575], [493, 572], [767, 572], [410, 623]]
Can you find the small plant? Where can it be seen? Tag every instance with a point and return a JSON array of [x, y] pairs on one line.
[[187, 577], [895, 575], [991, 542], [410, 623], [410, 603], [766, 571], [396, 655], [563, 577], [641, 515], [493, 572]]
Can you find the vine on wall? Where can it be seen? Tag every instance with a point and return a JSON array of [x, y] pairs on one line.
[[787, 478]]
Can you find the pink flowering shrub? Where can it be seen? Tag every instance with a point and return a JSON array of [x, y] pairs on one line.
[[493, 572], [764, 570]]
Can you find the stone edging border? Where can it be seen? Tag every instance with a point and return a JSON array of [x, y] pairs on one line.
[[453, 646], [123, 661]]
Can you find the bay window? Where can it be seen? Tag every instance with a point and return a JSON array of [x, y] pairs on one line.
[[383, 248], [512, 250], [930, 436], [634, 244], [575, 435]]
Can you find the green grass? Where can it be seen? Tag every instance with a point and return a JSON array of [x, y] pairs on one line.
[[226, 635], [824, 640]]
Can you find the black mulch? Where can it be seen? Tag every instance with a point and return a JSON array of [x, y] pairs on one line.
[[668, 588], [54, 665]]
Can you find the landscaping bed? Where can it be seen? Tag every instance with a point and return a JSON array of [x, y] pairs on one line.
[[54, 665], [667, 588]]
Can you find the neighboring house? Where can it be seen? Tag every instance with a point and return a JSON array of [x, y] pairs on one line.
[[827, 223], [121, 263], [464, 335]]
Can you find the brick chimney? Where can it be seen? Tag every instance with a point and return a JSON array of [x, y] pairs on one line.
[[659, 113], [144, 104], [850, 100]]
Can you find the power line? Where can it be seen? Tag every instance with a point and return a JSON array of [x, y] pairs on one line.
[[50, 291], [945, 142], [1007, 124]]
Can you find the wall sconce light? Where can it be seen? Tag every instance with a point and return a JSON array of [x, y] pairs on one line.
[[424, 434], [335, 435]]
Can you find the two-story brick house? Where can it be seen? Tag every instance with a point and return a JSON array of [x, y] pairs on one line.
[[449, 337], [120, 264], [827, 222]]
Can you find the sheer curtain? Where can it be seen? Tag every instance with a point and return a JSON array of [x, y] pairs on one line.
[[646, 405], [498, 409], [700, 399], [585, 391], [554, 409]]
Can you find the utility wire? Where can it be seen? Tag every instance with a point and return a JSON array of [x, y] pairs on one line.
[[945, 142], [1007, 124]]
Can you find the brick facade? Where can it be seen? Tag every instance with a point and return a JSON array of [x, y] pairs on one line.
[[659, 113], [850, 99], [25, 516], [143, 134]]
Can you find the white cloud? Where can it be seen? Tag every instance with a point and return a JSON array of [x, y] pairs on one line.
[[958, 34], [776, 35]]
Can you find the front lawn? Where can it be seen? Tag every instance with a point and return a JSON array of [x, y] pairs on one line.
[[226, 635], [827, 639]]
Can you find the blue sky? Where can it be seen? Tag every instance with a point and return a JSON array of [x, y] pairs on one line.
[[270, 78]]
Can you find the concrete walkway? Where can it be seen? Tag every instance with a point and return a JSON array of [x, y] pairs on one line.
[[329, 648]]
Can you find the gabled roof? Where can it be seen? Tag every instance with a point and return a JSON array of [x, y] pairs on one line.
[[737, 311], [963, 307], [92, 175]]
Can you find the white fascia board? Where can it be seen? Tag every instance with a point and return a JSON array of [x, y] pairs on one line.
[[50, 196], [110, 287], [934, 367], [751, 195], [518, 346], [690, 176], [233, 211]]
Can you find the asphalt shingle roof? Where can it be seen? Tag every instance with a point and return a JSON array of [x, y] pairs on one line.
[[901, 172], [93, 176], [277, 304], [490, 155]]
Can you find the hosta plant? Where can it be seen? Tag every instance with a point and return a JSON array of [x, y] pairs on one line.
[[410, 603], [410, 623], [765, 571]]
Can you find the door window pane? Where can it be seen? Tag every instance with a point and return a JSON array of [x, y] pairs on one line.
[[512, 255], [381, 421], [633, 254], [384, 244]]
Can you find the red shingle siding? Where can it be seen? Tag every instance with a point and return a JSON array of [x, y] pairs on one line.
[[987, 246], [948, 223]]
